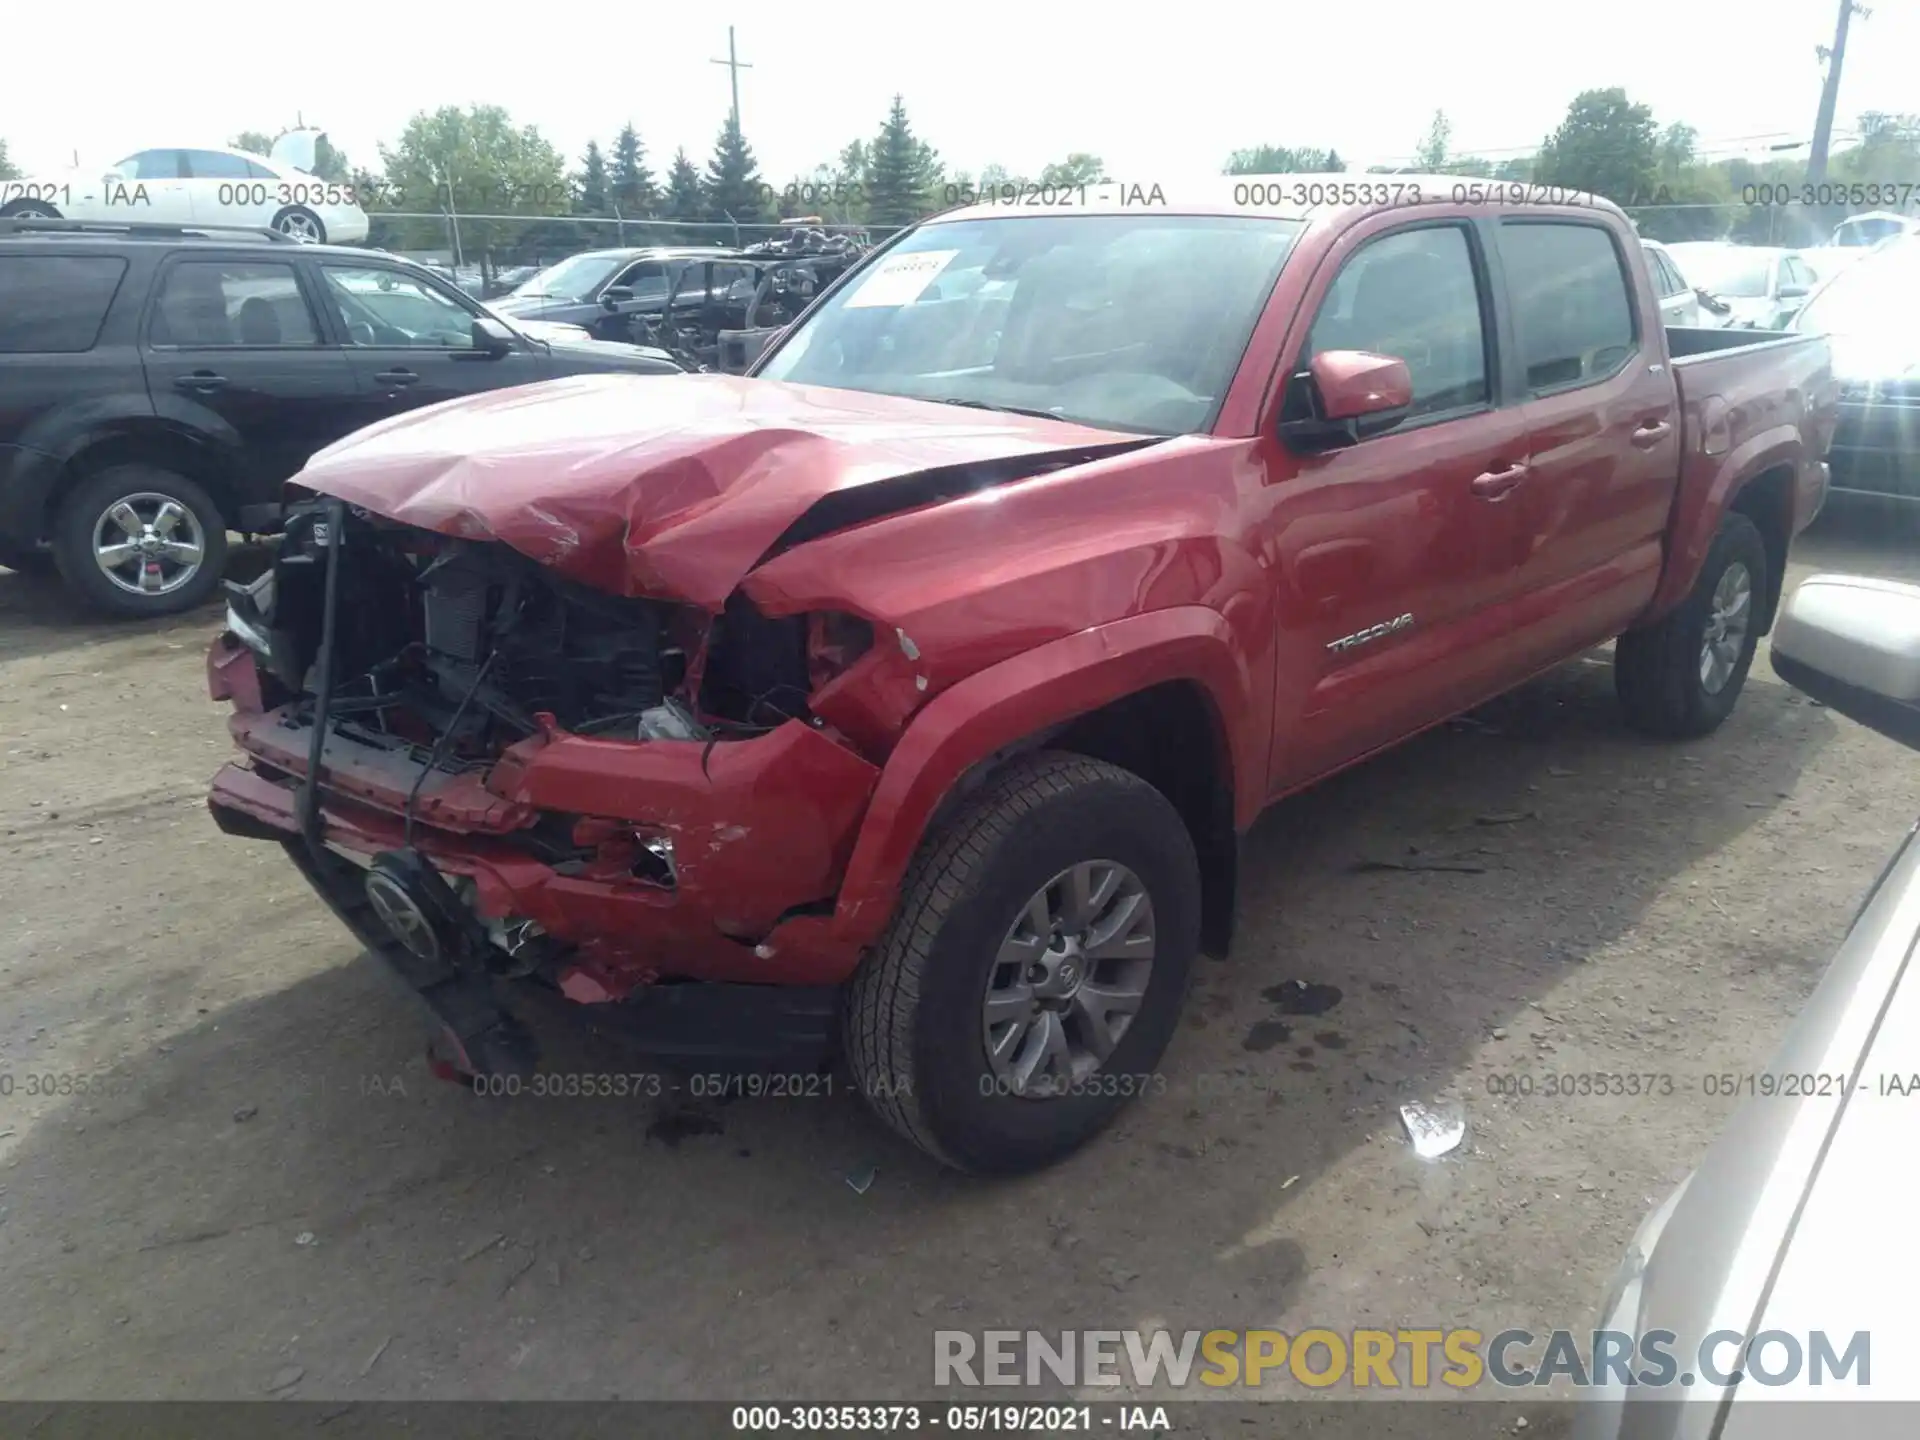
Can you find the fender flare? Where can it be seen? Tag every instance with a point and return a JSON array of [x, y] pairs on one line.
[[1043, 687], [1695, 523], [41, 457]]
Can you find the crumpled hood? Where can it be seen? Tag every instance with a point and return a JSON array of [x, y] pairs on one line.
[[670, 486]]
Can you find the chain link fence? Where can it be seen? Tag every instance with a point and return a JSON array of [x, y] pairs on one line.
[[494, 252]]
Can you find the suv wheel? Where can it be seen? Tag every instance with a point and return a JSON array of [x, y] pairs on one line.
[[302, 224], [1680, 678], [29, 210], [136, 540], [1035, 969]]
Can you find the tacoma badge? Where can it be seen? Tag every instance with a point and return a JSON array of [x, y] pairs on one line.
[[1371, 633]]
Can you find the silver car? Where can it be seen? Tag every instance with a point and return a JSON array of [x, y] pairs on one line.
[[1763, 285], [1870, 312], [1801, 1217]]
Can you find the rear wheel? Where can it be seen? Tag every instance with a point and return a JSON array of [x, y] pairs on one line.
[[29, 210], [1035, 969], [138, 541], [302, 224], [1681, 677]]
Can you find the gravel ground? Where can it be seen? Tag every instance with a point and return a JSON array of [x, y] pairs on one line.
[[271, 1195]]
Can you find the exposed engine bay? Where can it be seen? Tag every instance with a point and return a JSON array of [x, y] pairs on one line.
[[478, 741], [463, 645]]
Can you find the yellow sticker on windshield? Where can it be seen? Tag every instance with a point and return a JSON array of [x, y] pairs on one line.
[[900, 279]]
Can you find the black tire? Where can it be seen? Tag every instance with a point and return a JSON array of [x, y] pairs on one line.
[[83, 509], [29, 210], [914, 1010], [300, 215], [1657, 671]]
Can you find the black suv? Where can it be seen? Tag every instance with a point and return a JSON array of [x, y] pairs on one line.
[[159, 383]]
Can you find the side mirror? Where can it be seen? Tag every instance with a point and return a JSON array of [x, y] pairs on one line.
[[1792, 292], [491, 337], [615, 295], [1349, 395], [1853, 643]]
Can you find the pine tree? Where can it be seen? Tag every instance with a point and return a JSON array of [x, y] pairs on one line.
[[896, 172], [684, 199], [733, 186], [591, 183], [632, 183]]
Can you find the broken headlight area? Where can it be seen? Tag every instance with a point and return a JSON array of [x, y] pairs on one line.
[[466, 645]]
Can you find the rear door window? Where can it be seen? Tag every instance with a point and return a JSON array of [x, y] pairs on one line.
[[55, 304], [1571, 303], [220, 303], [218, 165]]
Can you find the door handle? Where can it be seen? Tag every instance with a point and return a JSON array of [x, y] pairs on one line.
[[396, 377], [1652, 434], [204, 381], [1495, 483]]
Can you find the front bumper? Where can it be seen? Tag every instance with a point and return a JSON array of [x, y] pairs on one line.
[[760, 832]]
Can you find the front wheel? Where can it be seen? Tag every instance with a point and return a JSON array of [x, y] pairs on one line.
[[1680, 678], [29, 210], [1035, 969], [139, 541]]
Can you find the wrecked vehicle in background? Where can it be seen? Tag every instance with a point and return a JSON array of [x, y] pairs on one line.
[[722, 311], [912, 694]]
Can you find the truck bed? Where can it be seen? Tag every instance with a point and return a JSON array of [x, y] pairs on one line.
[[1750, 401], [1691, 342]]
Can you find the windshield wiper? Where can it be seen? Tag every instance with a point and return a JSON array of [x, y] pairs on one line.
[[1004, 409]]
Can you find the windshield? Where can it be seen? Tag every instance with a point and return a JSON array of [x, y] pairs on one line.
[[1878, 294], [575, 278], [1733, 271], [1125, 322]]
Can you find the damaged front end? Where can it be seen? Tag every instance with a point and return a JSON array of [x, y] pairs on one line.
[[495, 773]]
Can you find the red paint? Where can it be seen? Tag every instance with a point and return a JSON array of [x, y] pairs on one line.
[[670, 486], [1354, 383], [232, 675], [1227, 561]]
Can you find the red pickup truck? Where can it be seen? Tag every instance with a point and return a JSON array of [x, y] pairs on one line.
[[912, 693]]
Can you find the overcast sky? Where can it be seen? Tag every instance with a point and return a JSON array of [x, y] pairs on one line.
[[1154, 90]]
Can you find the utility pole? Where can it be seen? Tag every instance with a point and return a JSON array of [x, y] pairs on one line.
[[734, 66], [1830, 92]]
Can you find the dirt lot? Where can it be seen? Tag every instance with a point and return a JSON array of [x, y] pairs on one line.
[[273, 1195]]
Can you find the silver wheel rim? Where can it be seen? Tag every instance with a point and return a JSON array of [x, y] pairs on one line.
[[148, 544], [1727, 628], [1069, 979], [301, 227]]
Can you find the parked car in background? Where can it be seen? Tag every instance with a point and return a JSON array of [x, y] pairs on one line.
[[1799, 1218], [174, 186], [1764, 287], [158, 384], [1870, 313], [609, 291], [1680, 303], [917, 687], [1863, 232]]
